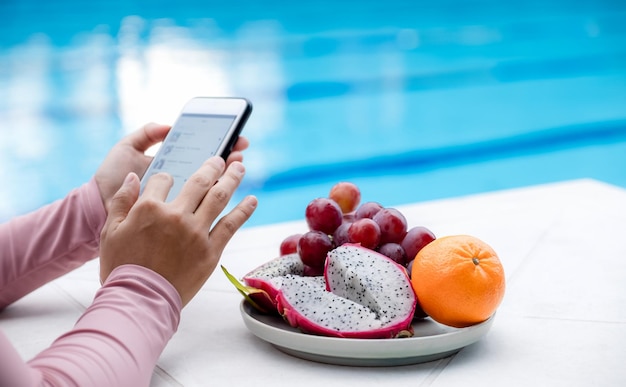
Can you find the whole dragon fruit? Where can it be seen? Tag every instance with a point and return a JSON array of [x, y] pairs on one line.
[[364, 295]]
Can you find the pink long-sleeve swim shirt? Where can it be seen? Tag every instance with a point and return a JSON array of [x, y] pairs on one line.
[[119, 337]]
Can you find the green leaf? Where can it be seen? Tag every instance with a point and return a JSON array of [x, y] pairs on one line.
[[246, 291]]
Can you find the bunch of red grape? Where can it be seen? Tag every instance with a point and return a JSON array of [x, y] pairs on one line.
[[339, 219]]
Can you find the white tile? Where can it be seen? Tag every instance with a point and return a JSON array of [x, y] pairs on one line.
[[213, 346], [562, 321], [543, 352], [35, 321]]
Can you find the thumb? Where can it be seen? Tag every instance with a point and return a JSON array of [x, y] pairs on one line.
[[124, 198], [121, 203]]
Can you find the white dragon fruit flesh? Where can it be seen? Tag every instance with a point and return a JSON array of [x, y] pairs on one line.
[[262, 284], [269, 275], [364, 295]]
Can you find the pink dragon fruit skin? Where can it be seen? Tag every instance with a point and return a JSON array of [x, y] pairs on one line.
[[268, 276], [364, 295]]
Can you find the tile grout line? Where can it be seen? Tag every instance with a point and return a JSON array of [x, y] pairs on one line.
[[539, 241], [82, 308], [574, 320], [158, 370], [434, 374]]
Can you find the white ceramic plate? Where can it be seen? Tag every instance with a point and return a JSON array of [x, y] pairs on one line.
[[431, 341]]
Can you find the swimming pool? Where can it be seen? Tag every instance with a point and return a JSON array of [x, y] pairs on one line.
[[411, 100]]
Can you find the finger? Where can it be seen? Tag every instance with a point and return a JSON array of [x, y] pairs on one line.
[[236, 153], [124, 199], [147, 136], [219, 195], [158, 186], [120, 205], [196, 188], [234, 156], [242, 144], [228, 225]]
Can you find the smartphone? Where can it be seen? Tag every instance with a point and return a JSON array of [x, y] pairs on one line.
[[207, 126]]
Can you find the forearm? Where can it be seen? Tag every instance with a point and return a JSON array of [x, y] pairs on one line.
[[43, 245], [118, 340]]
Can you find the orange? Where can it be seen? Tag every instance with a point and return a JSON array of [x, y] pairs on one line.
[[458, 279]]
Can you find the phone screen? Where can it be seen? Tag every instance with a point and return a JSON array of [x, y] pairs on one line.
[[193, 139]]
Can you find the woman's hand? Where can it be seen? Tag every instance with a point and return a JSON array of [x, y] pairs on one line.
[[179, 239], [128, 155]]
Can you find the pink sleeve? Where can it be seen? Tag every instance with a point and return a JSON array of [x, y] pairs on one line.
[[116, 342], [43, 245]]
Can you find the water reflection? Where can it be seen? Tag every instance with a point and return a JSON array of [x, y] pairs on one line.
[[70, 104], [155, 79], [331, 93], [57, 112]]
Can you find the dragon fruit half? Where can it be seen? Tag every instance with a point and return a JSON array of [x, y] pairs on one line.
[[269, 275], [263, 283], [364, 295]]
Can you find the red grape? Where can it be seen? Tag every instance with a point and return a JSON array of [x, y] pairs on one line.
[[347, 195], [340, 236], [393, 251], [409, 267], [289, 245], [313, 247], [324, 215], [415, 239], [419, 312], [310, 271], [392, 224], [368, 210], [366, 232]]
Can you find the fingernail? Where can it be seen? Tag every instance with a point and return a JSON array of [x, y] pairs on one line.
[[238, 167], [252, 201], [129, 178]]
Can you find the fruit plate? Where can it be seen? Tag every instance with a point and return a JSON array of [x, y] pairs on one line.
[[431, 341]]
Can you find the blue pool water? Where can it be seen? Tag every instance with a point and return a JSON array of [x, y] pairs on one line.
[[412, 100]]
